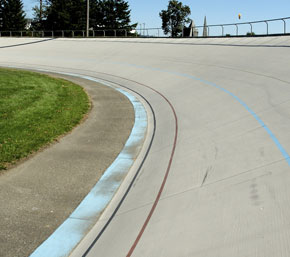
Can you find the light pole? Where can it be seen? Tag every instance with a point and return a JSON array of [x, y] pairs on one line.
[[144, 29], [88, 17], [141, 30], [40, 10]]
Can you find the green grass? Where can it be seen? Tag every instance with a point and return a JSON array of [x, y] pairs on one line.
[[35, 109]]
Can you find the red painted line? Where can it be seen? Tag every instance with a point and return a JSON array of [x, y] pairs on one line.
[[164, 179], [168, 167]]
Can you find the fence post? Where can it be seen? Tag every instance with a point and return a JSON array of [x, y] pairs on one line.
[[237, 30], [125, 33], [104, 33], [10, 33], [115, 33], [42, 33], [62, 33], [93, 33], [208, 31], [21, 33], [73, 33], [251, 28], [222, 30], [267, 27], [52, 34], [284, 26]]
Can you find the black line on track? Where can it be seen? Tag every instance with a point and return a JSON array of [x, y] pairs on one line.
[[30, 43], [144, 159], [136, 174]]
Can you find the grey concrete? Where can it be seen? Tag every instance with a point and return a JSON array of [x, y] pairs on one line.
[[39, 194], [228, 190]]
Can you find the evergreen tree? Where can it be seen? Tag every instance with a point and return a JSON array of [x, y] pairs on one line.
[[96, 14], [40, 15], [71, 14], [116, 14], [13, 16], [66, 14], [110, 14], [1, 14]]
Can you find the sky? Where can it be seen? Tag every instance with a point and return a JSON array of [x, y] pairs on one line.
[[216, 12]]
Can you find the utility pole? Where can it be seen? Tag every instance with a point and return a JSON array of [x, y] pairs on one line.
[[88, 17], [140, 29], [40, 10]]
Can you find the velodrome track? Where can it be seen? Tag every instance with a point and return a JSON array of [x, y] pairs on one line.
[[215, 181]]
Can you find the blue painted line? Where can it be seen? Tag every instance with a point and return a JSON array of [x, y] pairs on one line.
[[74, 226], [72, 231], [270, 133]]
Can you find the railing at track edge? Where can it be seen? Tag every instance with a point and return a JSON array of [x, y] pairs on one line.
[[149, 32]]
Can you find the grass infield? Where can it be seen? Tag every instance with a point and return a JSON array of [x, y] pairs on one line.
[[35, 109]]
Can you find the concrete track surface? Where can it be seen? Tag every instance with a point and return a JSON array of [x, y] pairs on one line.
[[217, 175]]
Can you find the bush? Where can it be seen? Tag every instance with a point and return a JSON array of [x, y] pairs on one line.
[[249, 34]]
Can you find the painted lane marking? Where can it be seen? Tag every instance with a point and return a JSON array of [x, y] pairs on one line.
[[179, 74], [272, 136], [72, 231], [164, 179], [29, 43]]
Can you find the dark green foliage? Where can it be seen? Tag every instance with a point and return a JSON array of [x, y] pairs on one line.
[[66, 14], [249, 34], [96, 14], [110, 14], [71, 14], [40, 15], [174, 18], [12, 15], [1, 13]]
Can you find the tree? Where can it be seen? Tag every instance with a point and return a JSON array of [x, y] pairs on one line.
[[12, 15], [110, 14], [66, 14], [40, 15], [1, 14], [96, 14], [71, 14], [174, 18]]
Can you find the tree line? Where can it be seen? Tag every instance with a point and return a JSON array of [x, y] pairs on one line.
[[71, 15], [66, 15]]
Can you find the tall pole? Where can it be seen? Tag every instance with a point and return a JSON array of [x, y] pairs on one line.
[[88, 17], [40, 10]]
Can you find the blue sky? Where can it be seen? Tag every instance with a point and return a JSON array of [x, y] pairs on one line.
[[217, 12]]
